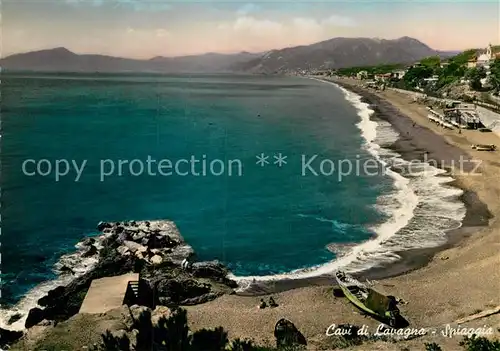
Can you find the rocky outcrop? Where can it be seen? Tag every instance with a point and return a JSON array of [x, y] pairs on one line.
[[214, 270], [35, 316], [173, 292], [8, 337], [156, 250]]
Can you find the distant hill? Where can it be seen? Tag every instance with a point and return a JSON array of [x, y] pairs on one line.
[[210, 62], [333, 53], [63, 60], [340, 53]]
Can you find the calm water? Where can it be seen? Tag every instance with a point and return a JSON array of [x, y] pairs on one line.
[[269, 220]]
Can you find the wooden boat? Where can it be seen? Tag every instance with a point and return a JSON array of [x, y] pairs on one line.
[[367, 299]]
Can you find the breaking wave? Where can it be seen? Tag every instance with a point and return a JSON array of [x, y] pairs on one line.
[[420, 208]]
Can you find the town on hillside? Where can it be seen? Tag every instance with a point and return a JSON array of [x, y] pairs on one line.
[[472, 75]]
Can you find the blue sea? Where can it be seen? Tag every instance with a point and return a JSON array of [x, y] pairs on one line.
[[266, 220]]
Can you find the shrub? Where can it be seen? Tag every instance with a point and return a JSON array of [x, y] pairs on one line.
[[475, 343], [114, 343], [209, 340], [432, 347], [173, 333]]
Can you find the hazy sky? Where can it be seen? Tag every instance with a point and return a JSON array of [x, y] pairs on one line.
[[147, 28]]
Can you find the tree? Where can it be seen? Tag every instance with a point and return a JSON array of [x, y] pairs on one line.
[[416, 74], [475, 75], [494, 78], [209, 340], [462, 58], [433, 62]]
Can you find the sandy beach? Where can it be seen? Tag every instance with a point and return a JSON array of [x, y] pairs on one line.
[[440, 285]]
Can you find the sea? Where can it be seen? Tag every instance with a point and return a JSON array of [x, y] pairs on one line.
[[267, 174]]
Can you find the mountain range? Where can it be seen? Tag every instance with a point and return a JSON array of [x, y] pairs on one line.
[[329, 54]]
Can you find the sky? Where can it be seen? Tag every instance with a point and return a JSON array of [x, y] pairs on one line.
[[149, 28]]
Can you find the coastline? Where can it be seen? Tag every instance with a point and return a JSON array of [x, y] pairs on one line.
[[414, 143], [431, 280], [419, 143], [440, 284]]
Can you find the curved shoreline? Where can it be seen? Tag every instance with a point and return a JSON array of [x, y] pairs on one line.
[[410, 147], [413, 144]]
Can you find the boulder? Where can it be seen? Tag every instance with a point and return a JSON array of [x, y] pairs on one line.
[[159, 241], [8, 337], [88, 241], [91, 251], [14, 318], [35, 316], [156, 259], [103, 225], [133, 246], [213, 270], [140, 255], [139, 236], [52, 296], [209, 269], [174, 291], [124, 236], [66, 270], [123, 250]]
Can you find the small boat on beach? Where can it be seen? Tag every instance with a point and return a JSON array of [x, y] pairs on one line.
[[367, 299], [484, 147]]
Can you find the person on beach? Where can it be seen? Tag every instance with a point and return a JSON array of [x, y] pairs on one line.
[[272, 303], [262, 304]]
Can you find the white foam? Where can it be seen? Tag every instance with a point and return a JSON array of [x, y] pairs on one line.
[[80, 265], [420, 209]]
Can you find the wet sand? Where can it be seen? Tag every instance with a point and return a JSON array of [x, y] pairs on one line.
[[440, 284]]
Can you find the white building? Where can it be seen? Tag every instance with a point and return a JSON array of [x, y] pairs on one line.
[[362, 75], [399, 74], [486, 58], [483, 60]]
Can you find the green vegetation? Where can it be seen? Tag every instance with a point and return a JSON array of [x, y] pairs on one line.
[[433, 62], [495, 76], [480, 344], [446, 74], [474, 75], [371, 70], [415, 75], [172, 334], [462, 58], [473, 343]]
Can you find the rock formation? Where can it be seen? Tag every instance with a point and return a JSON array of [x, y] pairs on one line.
[[156, 250]]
